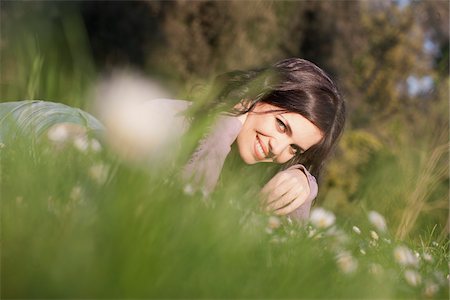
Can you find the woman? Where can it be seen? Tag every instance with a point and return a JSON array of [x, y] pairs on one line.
[[290, 114]]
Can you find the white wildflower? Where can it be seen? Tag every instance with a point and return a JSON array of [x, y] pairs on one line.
[[377, 220], [140, 127], [274, 222], [76, 193], [189, 190], [321, 218], [278, 240], [412, 277], [374, 235], [435, 244], [61, 133], [311, 231], [404, 256], [375, 269], [81, 142], [427, 257], [58, 133], [362, 251], [99, 173], [431, 289], [95, 145], [205, 192], [346, 262], [319, 236], [356, 229]]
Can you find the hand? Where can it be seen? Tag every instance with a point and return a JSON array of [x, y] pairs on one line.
[[286, 191]]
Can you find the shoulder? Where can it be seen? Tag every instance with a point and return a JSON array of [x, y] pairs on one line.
[[167, 105]]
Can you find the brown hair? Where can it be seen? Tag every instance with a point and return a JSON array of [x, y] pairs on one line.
[[294, 85]]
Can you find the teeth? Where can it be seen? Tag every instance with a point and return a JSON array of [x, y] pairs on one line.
[[260, 149]]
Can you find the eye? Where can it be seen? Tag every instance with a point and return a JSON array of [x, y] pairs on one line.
[[281, 126], [294, 149]]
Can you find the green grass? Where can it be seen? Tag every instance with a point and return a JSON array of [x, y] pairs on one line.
[[80, 224], [135, 233]]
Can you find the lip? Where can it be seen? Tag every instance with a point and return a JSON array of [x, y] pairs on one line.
[[257, 153]]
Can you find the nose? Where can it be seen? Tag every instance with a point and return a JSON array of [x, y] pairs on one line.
[[277, 146]]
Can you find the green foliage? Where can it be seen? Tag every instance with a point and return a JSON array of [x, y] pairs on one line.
[[204, 38], [90, 226], [80, 223], [44, 57]]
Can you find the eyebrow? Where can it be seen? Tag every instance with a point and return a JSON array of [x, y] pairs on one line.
[[289, 129]]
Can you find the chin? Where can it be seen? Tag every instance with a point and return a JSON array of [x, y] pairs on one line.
[[248, 161], [247, 158]]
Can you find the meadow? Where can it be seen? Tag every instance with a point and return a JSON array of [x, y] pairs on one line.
[[77, 221]]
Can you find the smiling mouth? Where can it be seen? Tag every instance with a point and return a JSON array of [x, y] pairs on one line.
[[259, 149]]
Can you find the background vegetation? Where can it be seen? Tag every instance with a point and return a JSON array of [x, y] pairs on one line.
[[69, 232]]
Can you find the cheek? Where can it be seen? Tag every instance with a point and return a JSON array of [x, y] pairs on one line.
[[264, 124], [250, 127], [244, 139]]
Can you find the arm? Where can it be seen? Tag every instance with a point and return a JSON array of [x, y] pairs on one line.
[[302, 212], [204, 167], [312, 182]]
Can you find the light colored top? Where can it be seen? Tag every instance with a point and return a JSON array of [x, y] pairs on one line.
[[208, 159]]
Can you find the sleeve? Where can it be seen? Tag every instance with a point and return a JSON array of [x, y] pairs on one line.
[[302, 212], [33, 117], [203, 169]]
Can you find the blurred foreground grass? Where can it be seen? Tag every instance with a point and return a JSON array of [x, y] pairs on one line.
[[79, 223]]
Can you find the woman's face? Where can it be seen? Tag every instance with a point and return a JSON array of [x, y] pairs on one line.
[[273, 136]]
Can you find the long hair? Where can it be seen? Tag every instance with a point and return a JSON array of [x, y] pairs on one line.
[[294, 85]]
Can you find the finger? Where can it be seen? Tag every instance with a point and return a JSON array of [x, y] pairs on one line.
[[274, 182], [292, 206], [284, 200], [281, 190], [293, 184]]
